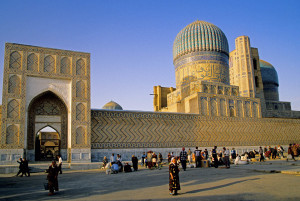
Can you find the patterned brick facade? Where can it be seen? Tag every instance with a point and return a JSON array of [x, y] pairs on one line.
[[124, 129]]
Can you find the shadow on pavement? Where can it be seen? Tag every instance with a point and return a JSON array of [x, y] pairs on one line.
[[220, 186]]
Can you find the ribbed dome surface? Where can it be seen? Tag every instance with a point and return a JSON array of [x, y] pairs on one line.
[[268, 73], [112, 106], [199, 36]]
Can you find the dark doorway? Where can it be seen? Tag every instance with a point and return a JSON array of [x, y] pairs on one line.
[[47, 116]]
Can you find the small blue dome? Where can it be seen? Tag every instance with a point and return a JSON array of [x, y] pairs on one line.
[[112, 106]]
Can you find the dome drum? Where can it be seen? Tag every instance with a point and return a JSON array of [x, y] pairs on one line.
[[208, 66]]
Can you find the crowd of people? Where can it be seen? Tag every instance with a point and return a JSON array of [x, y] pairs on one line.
[[151, 160], [195, 158]]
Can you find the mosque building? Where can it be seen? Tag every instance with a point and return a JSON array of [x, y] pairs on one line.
[[221, 98], [210, 81]]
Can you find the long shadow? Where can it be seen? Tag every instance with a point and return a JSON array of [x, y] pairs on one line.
[[220, 186]]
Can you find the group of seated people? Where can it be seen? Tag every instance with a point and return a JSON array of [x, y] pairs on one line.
[[116, 166]]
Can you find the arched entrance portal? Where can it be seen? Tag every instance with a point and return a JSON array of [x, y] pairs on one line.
[[47, 110], [47, 144]]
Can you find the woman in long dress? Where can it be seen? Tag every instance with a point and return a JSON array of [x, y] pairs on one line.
[[174, 184], [52, 178]]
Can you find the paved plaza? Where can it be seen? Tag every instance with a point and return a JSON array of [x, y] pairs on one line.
[[271, 180]]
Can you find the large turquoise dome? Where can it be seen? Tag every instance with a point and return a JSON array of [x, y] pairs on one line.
[[199, 36]]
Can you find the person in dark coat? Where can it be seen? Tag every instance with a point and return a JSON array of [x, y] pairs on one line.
[[26, 168], [215, 156], [52, 178], [174, 184], [183, 157], [134, 160], [127, 168], [21, 167]]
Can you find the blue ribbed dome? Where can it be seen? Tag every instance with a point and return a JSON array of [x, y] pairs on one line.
[[268, 73], [199, 36], [270, 81]]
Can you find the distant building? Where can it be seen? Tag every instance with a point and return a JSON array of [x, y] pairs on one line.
[[112, 106]]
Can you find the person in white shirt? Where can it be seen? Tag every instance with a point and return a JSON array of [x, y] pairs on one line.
[[59, 164], [113, 158], [226, 157]]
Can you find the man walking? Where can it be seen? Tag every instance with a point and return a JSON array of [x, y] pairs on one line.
[[198, 157], [183, 157], [26, 168], [261, 153], [21, 167]]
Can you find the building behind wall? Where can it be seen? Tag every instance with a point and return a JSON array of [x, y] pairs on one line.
[[210, 81], [201, 60]]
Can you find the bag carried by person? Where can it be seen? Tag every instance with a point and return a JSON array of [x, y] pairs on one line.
[[46, 186]]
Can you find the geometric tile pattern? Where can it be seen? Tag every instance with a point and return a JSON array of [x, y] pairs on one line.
[[80, 67], [12, 133], [13, 109], [80, 89], [14, 84], [49, 64], [65, 65], [80, 136], [32, 62], [15, 60], [124, 129], [80, 112]]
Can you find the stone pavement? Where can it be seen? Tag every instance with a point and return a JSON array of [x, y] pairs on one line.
[[255, 181]]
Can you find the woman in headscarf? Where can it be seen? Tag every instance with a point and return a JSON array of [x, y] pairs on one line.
[[134, 160], [52, 178], [174, 184]]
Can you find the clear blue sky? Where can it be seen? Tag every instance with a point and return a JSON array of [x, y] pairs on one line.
[[131, 41]]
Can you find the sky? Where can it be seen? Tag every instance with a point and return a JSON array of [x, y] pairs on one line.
[[131, 41]]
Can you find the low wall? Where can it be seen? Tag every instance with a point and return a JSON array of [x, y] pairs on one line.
[[133, 129]]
